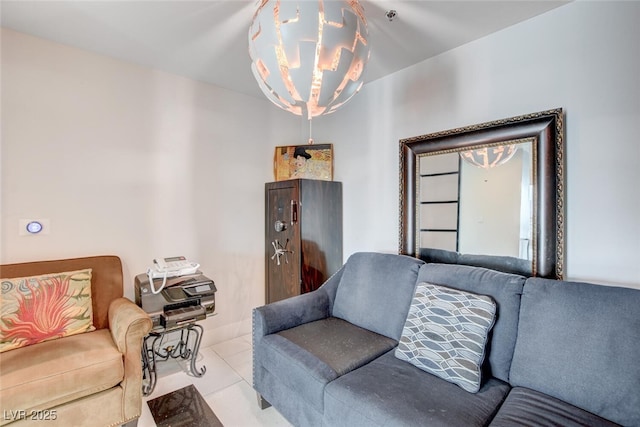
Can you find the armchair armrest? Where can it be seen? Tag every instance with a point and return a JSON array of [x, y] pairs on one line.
[[127, 321], [129, 324]]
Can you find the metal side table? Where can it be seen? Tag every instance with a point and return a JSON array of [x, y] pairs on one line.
[[186, 349]]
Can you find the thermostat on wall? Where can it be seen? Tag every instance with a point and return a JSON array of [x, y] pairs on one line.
[[32, 227]]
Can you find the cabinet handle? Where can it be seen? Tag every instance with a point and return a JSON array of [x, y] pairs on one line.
[[294, 212]]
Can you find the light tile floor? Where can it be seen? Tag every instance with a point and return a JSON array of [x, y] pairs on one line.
[[226, 385]]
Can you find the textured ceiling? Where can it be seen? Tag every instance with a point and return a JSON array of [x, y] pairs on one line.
[[207, 40]]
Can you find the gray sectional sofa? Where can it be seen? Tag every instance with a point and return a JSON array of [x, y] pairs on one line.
[[557, 353]]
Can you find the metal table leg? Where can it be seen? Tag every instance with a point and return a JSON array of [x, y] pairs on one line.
[[151, 355], [148, 367], [198, 331]]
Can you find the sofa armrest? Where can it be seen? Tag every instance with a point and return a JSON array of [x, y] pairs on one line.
[[129, 324], [291, 312], [298, 310]]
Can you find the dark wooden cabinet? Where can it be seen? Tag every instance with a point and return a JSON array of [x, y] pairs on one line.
[[303, 235]]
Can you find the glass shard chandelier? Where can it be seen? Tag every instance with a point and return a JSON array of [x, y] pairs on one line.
[[489, 157], [309, 56]]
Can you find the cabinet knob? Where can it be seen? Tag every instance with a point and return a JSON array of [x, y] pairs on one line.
[[280, 226]]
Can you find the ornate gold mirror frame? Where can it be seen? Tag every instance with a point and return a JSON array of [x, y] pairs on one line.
[[545, 131]]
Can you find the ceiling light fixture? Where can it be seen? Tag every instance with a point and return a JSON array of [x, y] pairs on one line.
[[489, 157], [309, 56]]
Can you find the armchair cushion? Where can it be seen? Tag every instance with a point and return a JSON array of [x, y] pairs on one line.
[[46, 374], [45, 307]]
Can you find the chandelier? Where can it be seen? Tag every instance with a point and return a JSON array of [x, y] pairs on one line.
[[489, 157], [309, 56]]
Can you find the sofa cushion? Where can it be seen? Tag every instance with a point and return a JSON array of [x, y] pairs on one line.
[[525, 407], [391, 392], [339, 344], [54, 372], [446, 332], [504, 288], [374, 283], [307, 357], [579, 342], [41, 308]]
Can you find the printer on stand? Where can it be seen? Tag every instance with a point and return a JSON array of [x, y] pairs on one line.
[[183, 299]]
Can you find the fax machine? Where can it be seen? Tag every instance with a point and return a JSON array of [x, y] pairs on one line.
[[184, 299]]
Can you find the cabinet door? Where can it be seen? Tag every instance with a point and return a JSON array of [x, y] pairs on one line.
[[320, 231], [282, 240]]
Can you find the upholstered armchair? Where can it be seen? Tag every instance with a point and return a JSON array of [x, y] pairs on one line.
[[92, 375]]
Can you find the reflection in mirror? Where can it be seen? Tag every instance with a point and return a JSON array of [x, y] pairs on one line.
[[475, 204], [489, 195], [504, 226]]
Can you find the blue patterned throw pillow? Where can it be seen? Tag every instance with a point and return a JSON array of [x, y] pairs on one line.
[[446, 332]]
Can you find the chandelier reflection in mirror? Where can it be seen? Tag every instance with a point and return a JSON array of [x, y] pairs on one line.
[[489, 157], [309, 56]]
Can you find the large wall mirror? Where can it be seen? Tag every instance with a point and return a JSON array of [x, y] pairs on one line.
[[487, 195]]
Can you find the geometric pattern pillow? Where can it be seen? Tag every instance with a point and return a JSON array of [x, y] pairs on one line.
[[446, 333], [41, 308]]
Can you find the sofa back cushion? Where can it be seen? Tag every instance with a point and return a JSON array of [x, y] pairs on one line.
[[580, 342], [46, 307], [504, 288], [106, 279], [375, 291]]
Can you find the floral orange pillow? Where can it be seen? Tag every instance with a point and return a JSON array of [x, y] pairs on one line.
[[42, 308]]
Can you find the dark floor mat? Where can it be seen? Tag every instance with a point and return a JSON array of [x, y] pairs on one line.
[[183, 408]]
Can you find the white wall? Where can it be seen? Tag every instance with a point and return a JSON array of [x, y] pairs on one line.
[[139, 163], [582, 57]]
